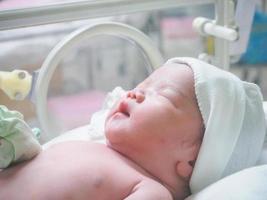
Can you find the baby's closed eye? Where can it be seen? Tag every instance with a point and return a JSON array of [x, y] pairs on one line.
[[171, 95]]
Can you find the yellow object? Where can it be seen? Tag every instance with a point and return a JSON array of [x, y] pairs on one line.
[[16, 84], [210, 45]]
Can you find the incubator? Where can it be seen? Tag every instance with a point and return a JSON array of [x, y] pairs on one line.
[[19, 84]]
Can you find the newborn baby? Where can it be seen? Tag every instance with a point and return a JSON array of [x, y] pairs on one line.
[[153, 137], [158, 136]]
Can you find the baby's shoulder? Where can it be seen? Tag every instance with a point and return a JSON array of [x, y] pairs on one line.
[[150, 189]]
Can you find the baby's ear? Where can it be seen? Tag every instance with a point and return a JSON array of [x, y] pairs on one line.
[[184, 169]]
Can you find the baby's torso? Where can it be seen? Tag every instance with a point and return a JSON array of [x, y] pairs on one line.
[[72, 170]]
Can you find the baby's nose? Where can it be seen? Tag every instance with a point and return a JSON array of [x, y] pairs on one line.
[[136, 94]]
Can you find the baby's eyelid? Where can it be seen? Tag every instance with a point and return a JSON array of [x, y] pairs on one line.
[[170, 97]]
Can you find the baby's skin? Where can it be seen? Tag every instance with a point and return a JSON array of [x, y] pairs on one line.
[[79, 170], [153, 136]]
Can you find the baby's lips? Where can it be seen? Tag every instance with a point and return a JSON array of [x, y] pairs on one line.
[[121, 106], [124, 107]]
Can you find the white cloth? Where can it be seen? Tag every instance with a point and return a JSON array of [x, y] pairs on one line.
[[234, 121], [248, 184], [18, 141]]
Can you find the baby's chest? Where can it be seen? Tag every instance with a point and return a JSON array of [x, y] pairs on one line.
[[107, 179]]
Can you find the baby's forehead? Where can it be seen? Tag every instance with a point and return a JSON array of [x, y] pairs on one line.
[[170, 76]]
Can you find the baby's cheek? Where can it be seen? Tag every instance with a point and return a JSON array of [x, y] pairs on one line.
[[151, 117], [143, 126], [138, 120]]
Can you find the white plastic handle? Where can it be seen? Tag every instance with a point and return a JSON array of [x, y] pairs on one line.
[[59, 51], [208, 27]]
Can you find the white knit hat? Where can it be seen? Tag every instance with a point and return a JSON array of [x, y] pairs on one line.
[[234, 121]]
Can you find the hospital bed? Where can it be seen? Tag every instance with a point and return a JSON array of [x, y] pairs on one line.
[[228, 41]]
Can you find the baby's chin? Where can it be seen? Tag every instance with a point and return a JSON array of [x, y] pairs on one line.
[[113, 131]]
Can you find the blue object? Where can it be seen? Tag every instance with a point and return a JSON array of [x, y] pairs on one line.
[[257, 47]]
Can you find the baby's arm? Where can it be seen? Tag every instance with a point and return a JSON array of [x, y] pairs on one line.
[[149, 190]]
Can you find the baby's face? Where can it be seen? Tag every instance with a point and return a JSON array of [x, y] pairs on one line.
[[160, 113]]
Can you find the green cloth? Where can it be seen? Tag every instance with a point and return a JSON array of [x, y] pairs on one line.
[[18, 142]]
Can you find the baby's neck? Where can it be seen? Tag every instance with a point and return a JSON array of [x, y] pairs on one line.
[[162, 169]]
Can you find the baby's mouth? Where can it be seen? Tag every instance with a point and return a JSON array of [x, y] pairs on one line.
[[123, 108], [120, 109]]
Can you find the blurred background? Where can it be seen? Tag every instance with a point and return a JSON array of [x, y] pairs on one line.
[[96, 66]]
